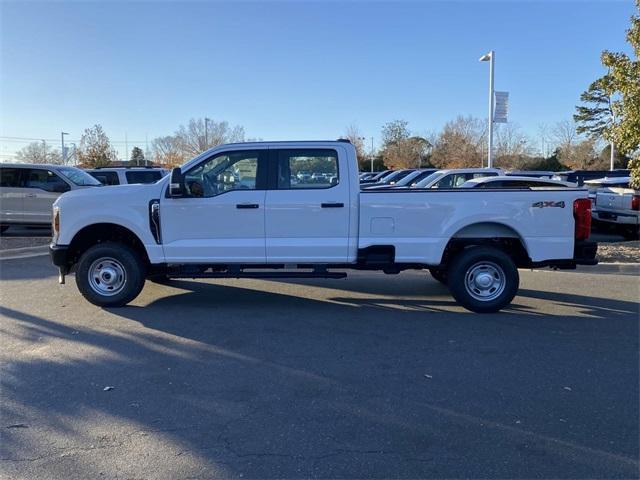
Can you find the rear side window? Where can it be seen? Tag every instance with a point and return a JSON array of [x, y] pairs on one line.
[[106, 178], [46, 180], [143, 176], [305, 169], [10, 177]]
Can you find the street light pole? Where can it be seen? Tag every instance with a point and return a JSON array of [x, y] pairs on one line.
[[64, 154], [372, 154], [612, 156], [490, 57], [74, 153]]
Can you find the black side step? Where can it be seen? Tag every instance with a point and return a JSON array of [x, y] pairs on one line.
[[238, 274]]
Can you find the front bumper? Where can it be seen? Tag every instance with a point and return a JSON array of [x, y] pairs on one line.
[[59, 256]]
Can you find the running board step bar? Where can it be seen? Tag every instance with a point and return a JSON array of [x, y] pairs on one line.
[[257, 274]]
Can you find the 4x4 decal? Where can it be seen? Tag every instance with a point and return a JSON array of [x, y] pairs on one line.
[[548, 204]]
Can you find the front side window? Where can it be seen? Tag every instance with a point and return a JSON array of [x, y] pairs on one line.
[[223, 173], [445, 182], [300, 169], [10, 177], [46, 180]]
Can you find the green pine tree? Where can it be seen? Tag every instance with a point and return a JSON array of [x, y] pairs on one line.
[[137, 156]]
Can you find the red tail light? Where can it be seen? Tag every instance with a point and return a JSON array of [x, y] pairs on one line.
[[635, 202], [582, 216]]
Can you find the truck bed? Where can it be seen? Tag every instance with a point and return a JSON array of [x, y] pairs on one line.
[[420, 223]]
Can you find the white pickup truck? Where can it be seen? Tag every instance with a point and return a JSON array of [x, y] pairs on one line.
[[295, 209]]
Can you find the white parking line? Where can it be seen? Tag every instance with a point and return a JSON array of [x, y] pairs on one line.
[[24, 252]]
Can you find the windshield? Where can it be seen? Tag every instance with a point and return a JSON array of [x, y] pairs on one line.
[[425, 181], [413, 177], [397, 177], [382, 175], [79, 177], [406, 180]]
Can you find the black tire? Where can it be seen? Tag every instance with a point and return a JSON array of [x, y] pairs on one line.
[[3, 228], [439, 274], [475, 266], [116, 257], [631, 232]]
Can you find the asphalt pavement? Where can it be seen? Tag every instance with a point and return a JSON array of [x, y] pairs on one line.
[[372, 376]]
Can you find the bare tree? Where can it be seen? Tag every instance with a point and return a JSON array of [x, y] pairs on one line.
[[95, 149], [573, 151], [201, 134], [197, 136], [460, 144], [39, 152], [167, 151], [353, 134], [581, 155], [406, 153], [565, 134], [400, 149], [512, 148]]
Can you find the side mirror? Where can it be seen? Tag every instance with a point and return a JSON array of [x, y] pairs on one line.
[[176, 183]]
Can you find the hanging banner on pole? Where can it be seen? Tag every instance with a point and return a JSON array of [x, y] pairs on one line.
[[502, 107]]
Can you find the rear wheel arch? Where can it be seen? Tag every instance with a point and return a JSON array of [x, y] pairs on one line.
[[491, 234]]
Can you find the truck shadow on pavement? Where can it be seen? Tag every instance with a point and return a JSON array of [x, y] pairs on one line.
[[212, 380]]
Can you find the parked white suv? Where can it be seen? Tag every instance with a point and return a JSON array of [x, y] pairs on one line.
[[27, 191], [127, 175]]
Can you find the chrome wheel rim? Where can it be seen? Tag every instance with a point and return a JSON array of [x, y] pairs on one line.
[[107, 276], [485, 281]]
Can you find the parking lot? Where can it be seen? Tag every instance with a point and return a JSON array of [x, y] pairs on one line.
[[372, 376]]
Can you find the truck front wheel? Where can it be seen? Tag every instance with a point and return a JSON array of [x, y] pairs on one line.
[[483, 279], [110, 274]]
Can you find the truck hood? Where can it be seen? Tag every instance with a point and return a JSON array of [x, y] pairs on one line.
[[113, 195]]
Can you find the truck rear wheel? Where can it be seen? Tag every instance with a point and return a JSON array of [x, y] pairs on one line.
[[483, 279], [110, 274]]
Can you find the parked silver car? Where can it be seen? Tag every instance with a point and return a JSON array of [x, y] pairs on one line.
[[27, 191]]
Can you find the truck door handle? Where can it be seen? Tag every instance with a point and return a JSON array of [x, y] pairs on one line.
[[332, 205], [30, 195], [247, 205]]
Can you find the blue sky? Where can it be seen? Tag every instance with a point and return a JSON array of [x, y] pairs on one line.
[[292, 70]]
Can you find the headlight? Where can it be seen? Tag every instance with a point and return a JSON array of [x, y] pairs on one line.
[[55, 224]]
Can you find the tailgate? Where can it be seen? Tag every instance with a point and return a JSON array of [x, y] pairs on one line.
[[611, 200]]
